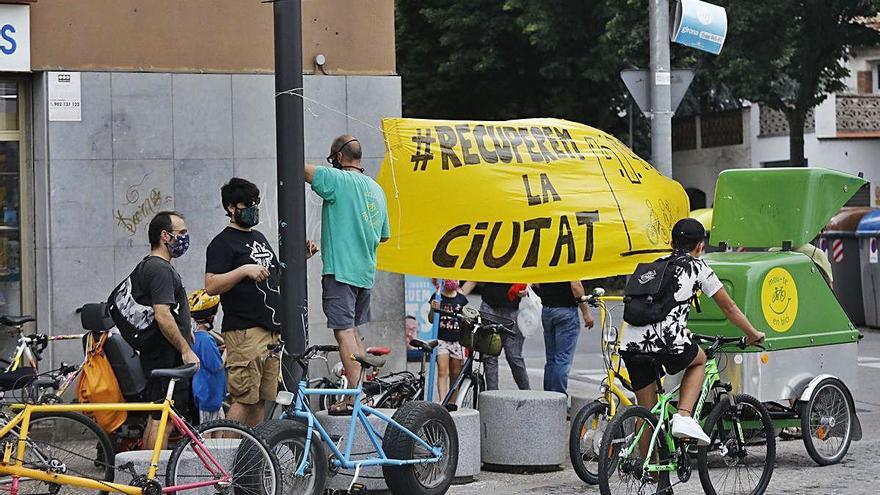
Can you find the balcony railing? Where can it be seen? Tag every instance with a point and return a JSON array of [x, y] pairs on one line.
[[858, 114]]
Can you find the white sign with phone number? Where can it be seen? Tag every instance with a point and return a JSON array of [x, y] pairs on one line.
[[65, 97]]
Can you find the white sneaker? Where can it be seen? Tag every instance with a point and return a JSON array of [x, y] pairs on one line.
[[687, 427]]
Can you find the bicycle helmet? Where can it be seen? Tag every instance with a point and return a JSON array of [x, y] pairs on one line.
[[202, 306]]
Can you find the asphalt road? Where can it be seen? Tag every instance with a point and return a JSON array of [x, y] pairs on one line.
[[794, 474]]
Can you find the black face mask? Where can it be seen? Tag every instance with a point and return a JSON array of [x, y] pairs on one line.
[[247, 217], [334, 160]]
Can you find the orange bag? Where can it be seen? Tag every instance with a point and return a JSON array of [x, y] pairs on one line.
[[98, 385]]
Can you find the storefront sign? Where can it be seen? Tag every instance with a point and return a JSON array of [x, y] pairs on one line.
[[15, 38], [65, 97], [700, 25], [531, 200]]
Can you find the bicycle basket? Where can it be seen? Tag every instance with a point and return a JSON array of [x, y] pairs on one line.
[[485, 340]]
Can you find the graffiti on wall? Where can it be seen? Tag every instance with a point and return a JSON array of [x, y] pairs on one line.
[[140, 203]]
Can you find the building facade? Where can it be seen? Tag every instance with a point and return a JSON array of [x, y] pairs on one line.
[[129, 107]]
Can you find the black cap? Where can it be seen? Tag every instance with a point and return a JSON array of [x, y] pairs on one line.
[[686, 231]]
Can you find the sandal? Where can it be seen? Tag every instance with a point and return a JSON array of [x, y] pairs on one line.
[[341, 408]]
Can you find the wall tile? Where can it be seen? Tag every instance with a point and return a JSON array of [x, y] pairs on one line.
[[141, 115], [322, 125], [253, 113], [261, 172], [90, 138], [197, 195], [202, 116], [387, 297], [81, 206], [369, 99], [141, 188]]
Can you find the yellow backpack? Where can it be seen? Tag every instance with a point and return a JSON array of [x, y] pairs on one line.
[[98, 385]]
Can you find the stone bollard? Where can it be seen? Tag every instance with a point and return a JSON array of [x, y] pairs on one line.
[[523, 430], [337, 426], [578, 402], [140, 461], [467, 422]]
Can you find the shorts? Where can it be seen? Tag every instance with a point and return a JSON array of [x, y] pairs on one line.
[[646, 368], [451, 348], [163, 356], [251, 374], [345, 306]]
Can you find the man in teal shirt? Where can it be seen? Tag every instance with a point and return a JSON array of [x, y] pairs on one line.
[[354, 220]]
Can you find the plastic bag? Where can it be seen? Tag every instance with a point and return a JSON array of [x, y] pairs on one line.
[[529, 318]]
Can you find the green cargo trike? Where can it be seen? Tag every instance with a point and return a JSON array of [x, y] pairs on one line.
[[811, 348]]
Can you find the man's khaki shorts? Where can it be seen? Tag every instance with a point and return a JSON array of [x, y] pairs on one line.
[[250, 374]]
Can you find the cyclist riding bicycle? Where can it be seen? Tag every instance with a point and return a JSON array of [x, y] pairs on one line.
[[657, 302]]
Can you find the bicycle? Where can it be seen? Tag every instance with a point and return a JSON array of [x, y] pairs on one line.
[[589, 424], [395, 389], [220, 455], [640, 458], [418, 452]]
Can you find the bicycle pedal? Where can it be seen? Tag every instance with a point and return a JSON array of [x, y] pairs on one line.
[[335, 438], [358, 489]]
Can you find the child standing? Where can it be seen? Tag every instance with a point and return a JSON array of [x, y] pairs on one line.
[[209, 383], [449, 351]]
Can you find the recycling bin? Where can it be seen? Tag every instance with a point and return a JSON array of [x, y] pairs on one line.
[[842, 246], [868, 233]]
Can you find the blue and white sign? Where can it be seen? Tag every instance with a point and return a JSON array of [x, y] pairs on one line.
[[418, 292], [15, 38], [700, 25]]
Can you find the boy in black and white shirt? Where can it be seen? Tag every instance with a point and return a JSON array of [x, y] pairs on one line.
[[669, 343]]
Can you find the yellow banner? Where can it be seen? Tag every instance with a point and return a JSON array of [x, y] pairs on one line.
[[533, 200]]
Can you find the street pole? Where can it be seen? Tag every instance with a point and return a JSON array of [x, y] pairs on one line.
[[291, 191], [661, 88]]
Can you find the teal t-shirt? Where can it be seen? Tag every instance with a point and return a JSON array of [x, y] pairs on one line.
[[354, 219]]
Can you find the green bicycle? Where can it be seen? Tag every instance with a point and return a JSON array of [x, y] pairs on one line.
[[642, 453]]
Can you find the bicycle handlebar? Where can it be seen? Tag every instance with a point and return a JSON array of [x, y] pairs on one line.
[[718, 341], [491, 326]]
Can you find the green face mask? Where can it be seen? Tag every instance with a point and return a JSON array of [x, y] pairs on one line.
[[248, 217]]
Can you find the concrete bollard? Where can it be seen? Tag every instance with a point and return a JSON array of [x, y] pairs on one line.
[[467, 422], [523, 430], [578, 402], [140, 461], [337, 426]]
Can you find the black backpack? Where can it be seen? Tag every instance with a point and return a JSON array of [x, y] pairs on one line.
[[649, 295], [136, 322]]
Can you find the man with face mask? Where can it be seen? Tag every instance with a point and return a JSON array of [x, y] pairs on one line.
[[157, 284], [242, 268]]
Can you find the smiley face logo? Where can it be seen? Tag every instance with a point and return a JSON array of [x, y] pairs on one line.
[[779, 299]]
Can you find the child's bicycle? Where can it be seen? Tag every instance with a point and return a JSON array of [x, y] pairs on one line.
[[641, 451], [418, 454], [589, 424]]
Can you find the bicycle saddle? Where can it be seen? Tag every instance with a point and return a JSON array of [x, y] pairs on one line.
[[179, 373], [378, 351], [16, 321], [369, 361], [20, 378], [424, 346]]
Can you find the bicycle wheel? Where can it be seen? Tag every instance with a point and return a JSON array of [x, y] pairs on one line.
[[826, 422], [585, 439], [730, 465], [433, 424], [622, 470], [239, 451], [65, 442], [287, 440]]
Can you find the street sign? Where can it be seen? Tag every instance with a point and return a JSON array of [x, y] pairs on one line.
[[637, 82], [700, 25]]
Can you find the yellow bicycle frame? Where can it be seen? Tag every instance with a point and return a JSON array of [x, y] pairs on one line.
[[612, 390], [15, 467]]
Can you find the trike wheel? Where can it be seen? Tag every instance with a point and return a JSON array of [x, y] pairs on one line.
[[287, 438], [730, 465], [585, 439], [621, 471], [433, 424], [827, 422]]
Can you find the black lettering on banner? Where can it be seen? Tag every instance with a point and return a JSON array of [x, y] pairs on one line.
[[626, 169], [466, 145], [470, 260], [538, 134], [565, 138], [547, 190], [446, 137], [535, 155], [533, 199], [515, 141], [537, 225], [423, 153], [502, 145], [489, 258], [480, 136], [441, 256], [565, 239], [588, 218], [554, 143]]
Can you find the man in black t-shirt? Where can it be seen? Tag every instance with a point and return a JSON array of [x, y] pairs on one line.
[[501, 300], [242, 268], [157, 284]]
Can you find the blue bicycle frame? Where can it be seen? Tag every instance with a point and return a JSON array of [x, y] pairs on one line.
[[360, 413]]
